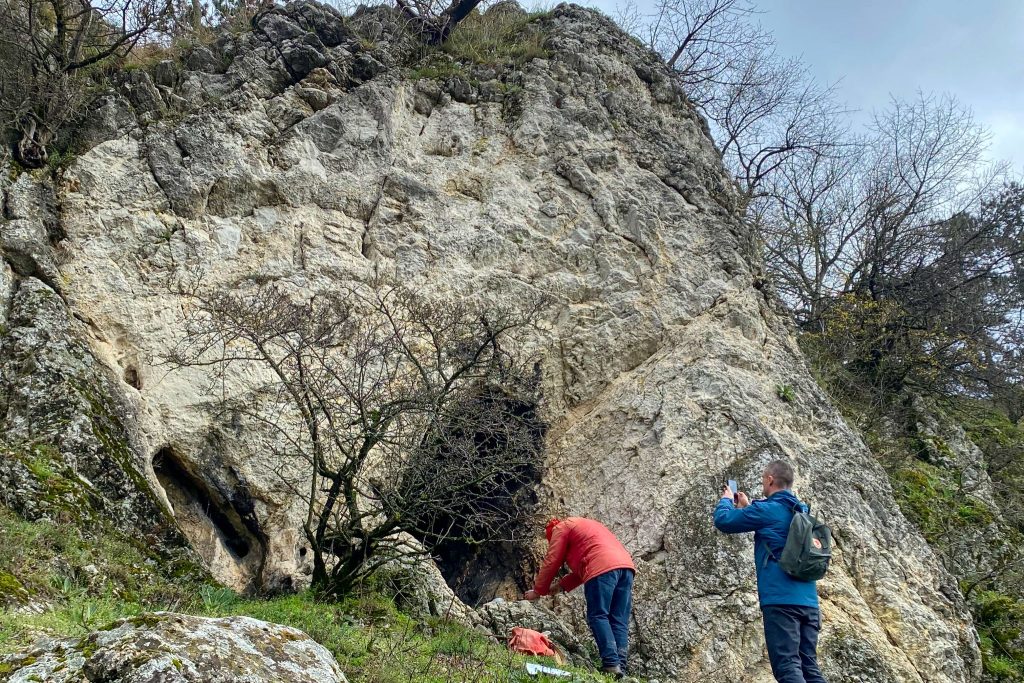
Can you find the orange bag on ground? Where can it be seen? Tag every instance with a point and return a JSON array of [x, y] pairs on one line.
[[529, 642]]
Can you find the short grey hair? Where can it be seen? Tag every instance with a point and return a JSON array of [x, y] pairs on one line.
[[782, 472]]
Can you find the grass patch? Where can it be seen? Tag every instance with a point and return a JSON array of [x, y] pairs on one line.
[[370, 638], [497, 38], [999, 619], [935, 505], [81, 580], [71, 569], [1001, 439], [374, 642], [494, 39], [439, 69]]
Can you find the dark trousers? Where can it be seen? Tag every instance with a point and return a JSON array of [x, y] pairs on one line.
[[791, 634], [609, 602]]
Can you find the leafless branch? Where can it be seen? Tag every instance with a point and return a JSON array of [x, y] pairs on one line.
[[386, 413]]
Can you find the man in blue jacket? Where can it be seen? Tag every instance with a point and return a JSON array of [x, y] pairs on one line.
[[789, 606]]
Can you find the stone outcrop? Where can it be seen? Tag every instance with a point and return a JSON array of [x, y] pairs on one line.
[[305, 152], [501, 616], [178, 648]]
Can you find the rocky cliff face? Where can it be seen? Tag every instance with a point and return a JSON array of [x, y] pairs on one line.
[[309, 152]]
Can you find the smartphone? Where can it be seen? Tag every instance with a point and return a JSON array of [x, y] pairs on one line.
[[733, 487]]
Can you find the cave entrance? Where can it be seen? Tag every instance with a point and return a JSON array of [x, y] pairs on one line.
[[214, 528], [480, 573], [480, 563]]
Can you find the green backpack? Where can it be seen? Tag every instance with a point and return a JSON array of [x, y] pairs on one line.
[[808, 548]]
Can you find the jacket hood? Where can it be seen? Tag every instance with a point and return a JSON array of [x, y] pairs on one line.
[[786, 497]]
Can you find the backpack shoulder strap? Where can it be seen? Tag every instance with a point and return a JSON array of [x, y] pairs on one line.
[[769, 555]]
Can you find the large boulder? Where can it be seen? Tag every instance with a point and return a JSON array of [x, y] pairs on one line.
[[166, 647], [581, 176]]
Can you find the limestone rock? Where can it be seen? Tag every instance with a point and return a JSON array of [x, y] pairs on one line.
[[57, 393], [420, 589], [202, 58], [6, 290], [590, 182], [178, 648], [28, 199], [165, 73], [142, 93], [948, 446], [31, 227], [111, 116], [27, 250], [501, 616]]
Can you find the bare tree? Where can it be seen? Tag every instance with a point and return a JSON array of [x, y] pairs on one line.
[[705, 42], [809, 220], [871, 212], [763, 110], [48, 49], [926, 166], [902, 252], [769, 113], [388, 414], [434, 19]]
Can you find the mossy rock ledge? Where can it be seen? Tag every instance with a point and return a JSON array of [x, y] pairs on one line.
[[178, 648]]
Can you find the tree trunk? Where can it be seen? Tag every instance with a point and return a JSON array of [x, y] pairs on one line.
[[320, 577], [30, 150]]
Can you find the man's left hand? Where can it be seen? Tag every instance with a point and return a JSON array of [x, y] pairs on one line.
[[531, 595], [727, 493]]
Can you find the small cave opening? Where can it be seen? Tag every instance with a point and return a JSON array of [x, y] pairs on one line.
[[132, 377], [195, 502], [482, 543], [479, 573]]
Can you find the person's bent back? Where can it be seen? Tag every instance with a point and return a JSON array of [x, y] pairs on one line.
[[587, 547], [598, 561]]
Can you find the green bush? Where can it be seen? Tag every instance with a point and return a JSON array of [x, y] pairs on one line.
[[999, 619]]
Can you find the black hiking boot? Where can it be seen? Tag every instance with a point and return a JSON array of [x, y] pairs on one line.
[[613, 671]]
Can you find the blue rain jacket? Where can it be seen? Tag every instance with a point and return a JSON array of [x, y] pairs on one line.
[[769, 519]]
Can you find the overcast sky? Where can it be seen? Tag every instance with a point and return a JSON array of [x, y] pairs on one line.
[[972, 50]]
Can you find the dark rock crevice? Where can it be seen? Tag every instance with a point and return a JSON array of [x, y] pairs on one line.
[[181, 486], [220, 528], [477, 563]]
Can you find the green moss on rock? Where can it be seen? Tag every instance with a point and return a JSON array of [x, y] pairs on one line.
[[11, 589], [935, 504]]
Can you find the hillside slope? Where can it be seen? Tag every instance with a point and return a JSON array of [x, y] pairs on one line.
[[315, 152]]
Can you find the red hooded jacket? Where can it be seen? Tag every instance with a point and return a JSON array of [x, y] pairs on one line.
[[587, 547]]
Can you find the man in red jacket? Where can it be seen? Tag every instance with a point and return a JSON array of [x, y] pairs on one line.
[[599, 561]]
